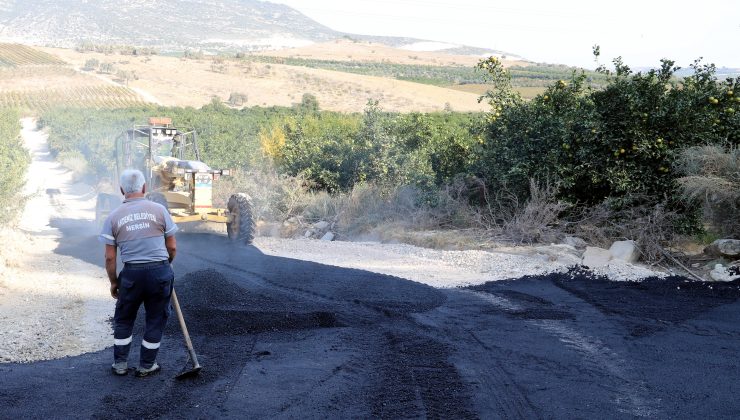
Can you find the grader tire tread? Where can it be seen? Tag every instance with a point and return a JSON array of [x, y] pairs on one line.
[[241, 230]]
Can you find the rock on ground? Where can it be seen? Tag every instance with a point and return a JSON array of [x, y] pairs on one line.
[[722, 273], [595, 257], [321, 225], [726, 248], [575, 242], [625, 251]]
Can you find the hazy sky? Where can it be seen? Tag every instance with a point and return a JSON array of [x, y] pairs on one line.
[[641, 31]]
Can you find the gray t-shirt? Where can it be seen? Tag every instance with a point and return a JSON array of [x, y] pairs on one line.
[[138, 228]]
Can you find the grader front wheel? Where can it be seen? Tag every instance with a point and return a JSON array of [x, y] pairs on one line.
[[241, 227]]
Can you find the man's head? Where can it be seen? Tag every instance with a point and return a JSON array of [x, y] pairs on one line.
[[132, 182]]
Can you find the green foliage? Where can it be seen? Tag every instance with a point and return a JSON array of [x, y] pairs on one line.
[[429, 150], [336, 151], [14, 160], [238, 99], [92, 64], [619, 141], [227, 138], [88, 132], [502, 94], [309, 103], [113, 49], [616, 143], [323, 147], [533, 75]]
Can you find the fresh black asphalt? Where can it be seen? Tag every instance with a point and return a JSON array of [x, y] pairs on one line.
[[283, 338]]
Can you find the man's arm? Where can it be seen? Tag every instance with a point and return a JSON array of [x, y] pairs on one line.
[[171, 245], [110, 268], [170, 228]]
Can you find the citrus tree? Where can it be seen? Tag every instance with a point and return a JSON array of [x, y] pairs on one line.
[[611, 142]]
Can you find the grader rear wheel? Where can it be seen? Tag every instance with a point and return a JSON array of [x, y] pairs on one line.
[[241, 228]]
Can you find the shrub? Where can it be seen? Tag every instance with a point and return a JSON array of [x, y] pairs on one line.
[[615, 142], [237, 99], [74, 161], [275, 197], [537, 220], [91, 64], [14, 160], [711, 178], [651, 226]]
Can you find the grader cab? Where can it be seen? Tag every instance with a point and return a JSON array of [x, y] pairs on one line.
[[177, 178]]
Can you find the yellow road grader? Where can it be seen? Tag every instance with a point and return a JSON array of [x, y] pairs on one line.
[[184, 186]]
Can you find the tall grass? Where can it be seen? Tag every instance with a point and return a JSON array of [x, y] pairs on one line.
[[712, 179]]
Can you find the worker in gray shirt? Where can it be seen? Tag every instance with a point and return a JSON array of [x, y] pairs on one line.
[[144, 233]]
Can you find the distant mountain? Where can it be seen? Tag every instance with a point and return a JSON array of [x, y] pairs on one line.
[[172, 24], [720, 73]]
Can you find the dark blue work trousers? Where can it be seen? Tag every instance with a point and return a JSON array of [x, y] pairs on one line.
[[150, 284]]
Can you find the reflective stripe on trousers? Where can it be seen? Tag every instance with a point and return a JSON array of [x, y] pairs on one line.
[[150, 284]]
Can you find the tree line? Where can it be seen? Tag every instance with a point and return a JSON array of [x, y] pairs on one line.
[[617, 144]]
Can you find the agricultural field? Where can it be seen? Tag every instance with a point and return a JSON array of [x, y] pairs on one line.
[[343, 76], [437, 75], [350, 50], [35, 81], [14, 55], [196, 81], [527, 92], [101, 96]]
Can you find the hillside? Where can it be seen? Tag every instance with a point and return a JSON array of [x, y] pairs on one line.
[[372, 51], [194, 82], [158, 22], [212, 25]]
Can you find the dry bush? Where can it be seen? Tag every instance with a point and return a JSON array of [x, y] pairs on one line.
[[537, 220], [367, 206], [75, 162], [651, 227], [712, 179], [275, 197], [320, 205], [452, 206]]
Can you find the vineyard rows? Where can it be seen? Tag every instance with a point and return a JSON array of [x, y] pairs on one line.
[[111, 97], [13, 55]]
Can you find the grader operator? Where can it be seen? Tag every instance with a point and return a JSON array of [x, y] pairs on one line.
[[177, 178]]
